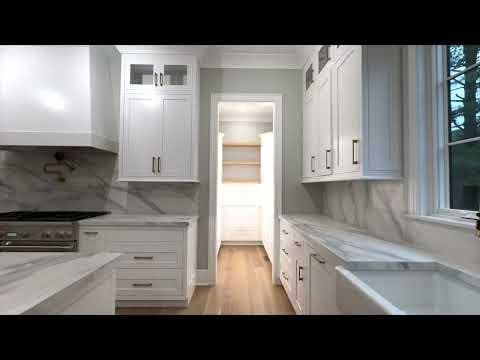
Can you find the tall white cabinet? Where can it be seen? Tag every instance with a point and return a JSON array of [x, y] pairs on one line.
[[352, 113], [159, 118]]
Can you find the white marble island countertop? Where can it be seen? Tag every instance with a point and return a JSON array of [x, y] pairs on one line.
[[353, 245], [139, 220], [37, 280]]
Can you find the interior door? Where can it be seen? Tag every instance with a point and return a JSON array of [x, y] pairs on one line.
[[310, 150], [142, 132], [176, 152], [324, 124], [348, 110]]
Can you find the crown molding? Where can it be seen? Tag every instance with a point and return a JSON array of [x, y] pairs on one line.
[[216, 57]]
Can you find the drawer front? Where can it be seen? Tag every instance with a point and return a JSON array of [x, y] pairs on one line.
[[131, 234], [286, 236], [166, 259], [297, 247], [149, 282], [286, 280]]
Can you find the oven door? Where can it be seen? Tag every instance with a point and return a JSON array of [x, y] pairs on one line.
[[38, 246]]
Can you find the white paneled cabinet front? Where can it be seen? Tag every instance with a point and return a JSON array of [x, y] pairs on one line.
[[159, 121], [158, 264], [356, 112], [157, 138]]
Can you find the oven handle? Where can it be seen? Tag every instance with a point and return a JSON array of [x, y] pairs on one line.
[[13, 247]]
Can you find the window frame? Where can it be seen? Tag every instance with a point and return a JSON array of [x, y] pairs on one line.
[[441, 143]]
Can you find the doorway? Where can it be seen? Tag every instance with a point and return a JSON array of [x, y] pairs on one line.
[[245, 194]]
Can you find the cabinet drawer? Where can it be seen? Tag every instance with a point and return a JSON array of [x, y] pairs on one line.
[[286, 280], [166, 259], [148, 282], [286, 236]]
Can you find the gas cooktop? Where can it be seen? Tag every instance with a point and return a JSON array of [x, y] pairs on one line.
[[49, 215]]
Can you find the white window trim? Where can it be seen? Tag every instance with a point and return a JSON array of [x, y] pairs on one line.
[[426, 123], [440, 138]]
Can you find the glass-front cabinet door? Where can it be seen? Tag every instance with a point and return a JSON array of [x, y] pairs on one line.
[[158, 72], [176, 72], [141, 72]]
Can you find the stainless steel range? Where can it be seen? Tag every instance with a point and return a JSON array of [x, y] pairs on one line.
[[42, 230]]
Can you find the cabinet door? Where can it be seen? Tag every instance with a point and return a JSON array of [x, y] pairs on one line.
[[310, 141], [176, 72], [141, 72], [308, 76], [300, 284], [348, 110], [322, 291], [142, 135], [324, 124], [175, 160]]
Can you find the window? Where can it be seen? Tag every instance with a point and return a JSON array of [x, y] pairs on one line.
[[463, 127]]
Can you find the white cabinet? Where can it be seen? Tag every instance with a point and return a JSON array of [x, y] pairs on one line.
[[324, 121], [158, 72], [306, 274], [241, 223], [293, 266], [158, 265], [356, 115], [321, 288], [310, 137], [159, 121], [157, 132], [347, 73]]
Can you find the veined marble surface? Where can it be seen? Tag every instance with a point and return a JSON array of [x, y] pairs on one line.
[[352, 244], [360, 251], [139, 220], [28, 279]]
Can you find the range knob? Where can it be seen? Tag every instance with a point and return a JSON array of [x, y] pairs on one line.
[[60, 235], [25, 235], [47, 234], [68, 234]]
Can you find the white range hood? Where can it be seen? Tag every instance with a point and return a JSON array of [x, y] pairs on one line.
[[59, 96]]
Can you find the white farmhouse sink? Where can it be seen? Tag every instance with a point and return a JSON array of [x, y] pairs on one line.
[[439, 290]]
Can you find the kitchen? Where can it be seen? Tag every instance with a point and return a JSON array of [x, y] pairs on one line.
[[108, 168]]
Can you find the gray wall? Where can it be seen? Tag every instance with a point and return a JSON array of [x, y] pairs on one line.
[[296, 197]]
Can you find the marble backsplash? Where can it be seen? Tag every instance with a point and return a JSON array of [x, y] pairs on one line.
[[377, 206], [91, 185]]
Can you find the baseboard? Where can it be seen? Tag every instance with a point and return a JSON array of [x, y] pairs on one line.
[[151, 303], [203, 277], [241, 243]]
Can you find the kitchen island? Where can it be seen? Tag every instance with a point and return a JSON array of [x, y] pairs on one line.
[[47, 283]]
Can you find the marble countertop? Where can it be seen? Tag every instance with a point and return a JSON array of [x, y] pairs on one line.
[[139, 220], [353, 245], [27, 279]]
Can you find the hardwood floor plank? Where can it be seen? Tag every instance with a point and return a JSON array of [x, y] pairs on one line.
[[244, 287]]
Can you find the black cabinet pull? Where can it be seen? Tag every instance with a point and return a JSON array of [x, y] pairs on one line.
[[354, 142]]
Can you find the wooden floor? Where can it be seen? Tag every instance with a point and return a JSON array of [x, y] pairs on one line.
[[244, 287]]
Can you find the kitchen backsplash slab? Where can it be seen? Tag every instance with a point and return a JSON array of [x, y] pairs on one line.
[[91, 186]]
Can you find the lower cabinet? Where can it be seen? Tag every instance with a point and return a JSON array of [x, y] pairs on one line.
[[158, 265], [308, 279]]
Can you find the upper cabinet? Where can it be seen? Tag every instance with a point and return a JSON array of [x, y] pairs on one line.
[[158, 72], [356, 116], [159, 122]]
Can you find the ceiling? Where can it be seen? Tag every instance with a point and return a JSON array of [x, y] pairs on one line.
[[245, 111]]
